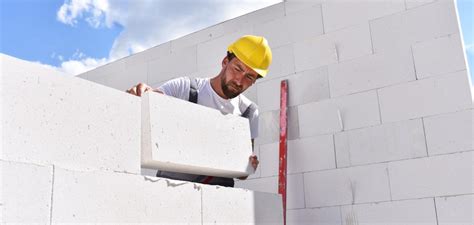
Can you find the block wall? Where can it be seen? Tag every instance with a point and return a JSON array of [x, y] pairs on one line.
[[380, 106], [70, 153]]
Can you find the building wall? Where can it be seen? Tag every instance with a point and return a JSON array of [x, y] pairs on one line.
[[70, 153], [380, 106]]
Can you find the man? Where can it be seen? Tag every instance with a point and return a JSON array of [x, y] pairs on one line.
[[247, 60]]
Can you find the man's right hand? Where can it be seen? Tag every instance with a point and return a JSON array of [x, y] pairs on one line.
[[139, 89]]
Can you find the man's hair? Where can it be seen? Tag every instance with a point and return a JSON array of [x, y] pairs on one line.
[[231, 55]]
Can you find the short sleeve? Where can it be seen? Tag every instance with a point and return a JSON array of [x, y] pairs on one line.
[[178, 88]]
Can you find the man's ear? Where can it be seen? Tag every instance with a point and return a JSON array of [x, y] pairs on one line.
[[225, 61]]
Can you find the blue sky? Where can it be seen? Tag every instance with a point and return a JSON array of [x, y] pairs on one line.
[[77, 35]]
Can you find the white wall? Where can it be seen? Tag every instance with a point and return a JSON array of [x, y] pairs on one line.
[[70, 153], [396, 74]]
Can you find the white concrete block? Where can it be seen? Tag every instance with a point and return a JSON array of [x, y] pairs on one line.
[[449, 133], [269, 160], [276, 32], [382, 143], [170, 65], [436, 95], [68, 121], [439, 56], [319, 118], [104, 197], [283, 62], [265, 184], [295, 191], [341, 13], [399, 31], [222, 150], [343, 113], [305, 24], [411, 212], [316, 216], [314, 53], [157, 52], [131, 75], [25, 196], [371, 72], [352, 42], [457, 210], [432, 177], [269, 94], [236, 206], [416, 3], [308, 86], [294, 6], [269, 126], [347, 186], [311, 154]]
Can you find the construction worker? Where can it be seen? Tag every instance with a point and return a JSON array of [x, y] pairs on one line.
[[247, 60]]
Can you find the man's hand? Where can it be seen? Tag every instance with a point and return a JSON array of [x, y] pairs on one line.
[[253, 160], [140, 88]]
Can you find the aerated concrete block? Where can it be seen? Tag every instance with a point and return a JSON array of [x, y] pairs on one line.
[[456, 210], [439, 56], [411, 212], [401, 30], [347, 186], [283, 63], [431, 96], [105, 197], [382, 143], [236, 206], [433, 176], [264, 184], [25, 196], [416, 3], [308, 86], [311, 154], [315, 216], [339, 14], [371, 72], [333, 47], [203, 142], [67, 121], [165, 67], [337, 114], [448, 133]]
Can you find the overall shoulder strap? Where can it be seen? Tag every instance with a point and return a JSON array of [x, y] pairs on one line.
[[251, 108], [193, 93]]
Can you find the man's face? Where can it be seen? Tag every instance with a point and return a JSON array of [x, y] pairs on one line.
[[237, 77]]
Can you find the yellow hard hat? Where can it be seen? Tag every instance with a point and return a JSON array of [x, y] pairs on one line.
[[254, 52]]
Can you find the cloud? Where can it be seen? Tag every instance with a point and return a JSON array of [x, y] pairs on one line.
[[147, 23], [76, 67]]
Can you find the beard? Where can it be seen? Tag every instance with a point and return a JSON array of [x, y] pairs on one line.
[[230, 90]]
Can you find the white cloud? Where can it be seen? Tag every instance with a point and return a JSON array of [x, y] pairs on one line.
[[147, 23], [76, 67]]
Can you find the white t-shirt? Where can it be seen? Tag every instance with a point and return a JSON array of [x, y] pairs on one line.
[[179, 88]]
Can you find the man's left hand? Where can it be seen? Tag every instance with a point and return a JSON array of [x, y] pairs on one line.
[[253, 160]]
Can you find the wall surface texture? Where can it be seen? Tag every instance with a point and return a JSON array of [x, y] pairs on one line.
[[70, 153], [381, 110]]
